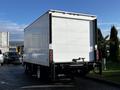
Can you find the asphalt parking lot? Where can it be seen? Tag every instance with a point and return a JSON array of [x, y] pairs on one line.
[[12, 77]]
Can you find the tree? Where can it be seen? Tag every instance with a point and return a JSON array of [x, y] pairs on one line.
[[99, 43], [100, 36], [102, 42], [114, 45]]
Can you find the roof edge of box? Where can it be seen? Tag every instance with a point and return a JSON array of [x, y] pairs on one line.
[[71, 13]]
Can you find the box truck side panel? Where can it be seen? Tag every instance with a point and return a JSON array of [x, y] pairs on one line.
[[71, 39], [36, 44]]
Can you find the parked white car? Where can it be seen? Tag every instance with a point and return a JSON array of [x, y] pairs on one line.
[[1, 58]]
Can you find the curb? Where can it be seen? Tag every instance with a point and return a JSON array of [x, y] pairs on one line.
[[101, 80]]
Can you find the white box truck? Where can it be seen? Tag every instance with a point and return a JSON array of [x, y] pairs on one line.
[[60, 43]]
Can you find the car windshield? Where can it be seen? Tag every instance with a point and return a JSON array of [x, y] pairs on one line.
[[13, 54]]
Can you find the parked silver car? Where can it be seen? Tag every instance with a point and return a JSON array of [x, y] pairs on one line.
[[11, 57]]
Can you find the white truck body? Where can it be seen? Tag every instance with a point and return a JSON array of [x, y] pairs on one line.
[[36, 41], [69, 35]]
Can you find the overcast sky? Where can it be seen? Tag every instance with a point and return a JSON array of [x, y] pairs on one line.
[[15, 15]]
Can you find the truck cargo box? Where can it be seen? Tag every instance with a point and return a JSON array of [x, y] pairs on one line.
[[69, 35], [60, 38]]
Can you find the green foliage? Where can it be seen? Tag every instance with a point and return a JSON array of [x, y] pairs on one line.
[[100, 36], [114, 45], [101, 44]]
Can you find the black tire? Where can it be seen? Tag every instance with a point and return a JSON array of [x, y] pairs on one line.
[[38, 73], [44, 73], [27, 69]]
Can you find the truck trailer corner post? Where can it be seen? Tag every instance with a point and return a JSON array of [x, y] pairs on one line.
[[60, 43]]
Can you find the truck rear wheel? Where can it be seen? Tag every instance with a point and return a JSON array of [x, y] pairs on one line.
[[38, 72], [27, 68]]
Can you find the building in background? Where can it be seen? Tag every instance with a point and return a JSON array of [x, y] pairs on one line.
[[4, 41]]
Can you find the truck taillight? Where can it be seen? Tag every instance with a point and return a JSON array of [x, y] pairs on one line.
[[50, 55]]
